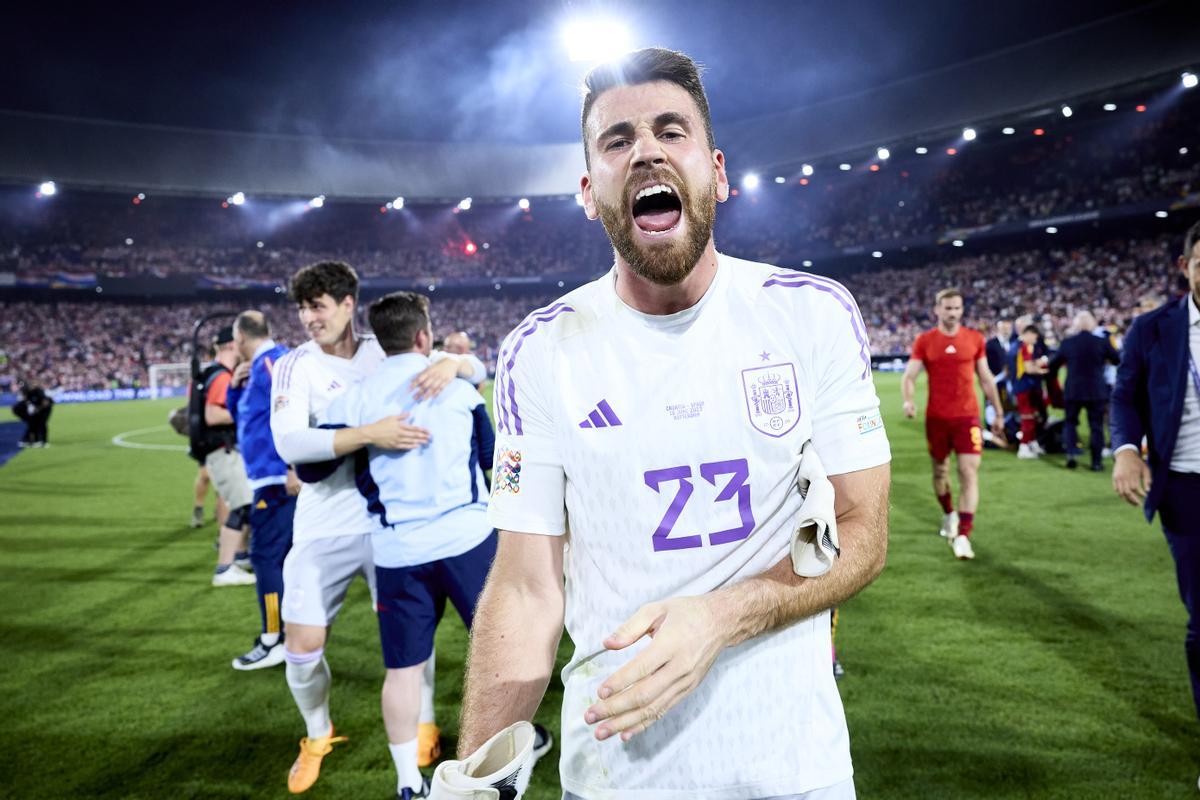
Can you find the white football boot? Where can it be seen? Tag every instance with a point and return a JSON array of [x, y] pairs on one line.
[[499, 770], [962, 548], [949, 526]]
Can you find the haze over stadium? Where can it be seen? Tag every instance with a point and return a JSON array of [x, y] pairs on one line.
[[1029, 168]]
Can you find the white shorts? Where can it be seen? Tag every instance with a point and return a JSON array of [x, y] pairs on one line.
[[317, 573], [228, 475], [839, 791]]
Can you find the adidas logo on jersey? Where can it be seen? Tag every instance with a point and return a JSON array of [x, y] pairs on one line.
[[951, 348], [602, 416]]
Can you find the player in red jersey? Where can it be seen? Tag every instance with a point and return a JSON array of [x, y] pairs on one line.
[[953, 355]]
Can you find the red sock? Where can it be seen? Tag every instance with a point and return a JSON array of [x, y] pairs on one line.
[[947, 503], [966, 521]]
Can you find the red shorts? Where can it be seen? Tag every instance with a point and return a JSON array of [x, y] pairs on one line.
[[960, 435]]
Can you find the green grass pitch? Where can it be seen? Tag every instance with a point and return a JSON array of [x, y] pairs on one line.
[[1050, 667]]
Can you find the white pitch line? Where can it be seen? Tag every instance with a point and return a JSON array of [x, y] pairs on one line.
[[119, 440]]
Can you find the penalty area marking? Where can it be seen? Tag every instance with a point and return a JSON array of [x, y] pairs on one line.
[[121, 440]]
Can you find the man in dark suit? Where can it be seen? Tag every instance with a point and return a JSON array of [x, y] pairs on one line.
[[996, 350], [1084, 355], [1157, 395]]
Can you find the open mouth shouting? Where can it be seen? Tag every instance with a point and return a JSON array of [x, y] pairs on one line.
[[657, 209]]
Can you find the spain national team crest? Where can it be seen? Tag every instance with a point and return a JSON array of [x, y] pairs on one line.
[[772, 399]]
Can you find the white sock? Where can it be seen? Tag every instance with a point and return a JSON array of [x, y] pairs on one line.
[[309, 682], [427, 715], [269, 639], [404, 756]]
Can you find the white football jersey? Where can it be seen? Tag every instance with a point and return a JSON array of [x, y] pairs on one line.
[[667, 449], [304, 383]]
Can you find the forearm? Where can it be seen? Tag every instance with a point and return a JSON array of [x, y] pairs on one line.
[[347, 440], [908, 387], [779, 597], [990, 391], [514, 640], [215, 415]]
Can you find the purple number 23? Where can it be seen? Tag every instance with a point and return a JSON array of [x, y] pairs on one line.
[[738, 469]]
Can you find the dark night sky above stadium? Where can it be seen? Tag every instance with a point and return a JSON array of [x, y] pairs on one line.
[[495, 71]]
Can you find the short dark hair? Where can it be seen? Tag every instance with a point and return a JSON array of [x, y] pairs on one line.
[[1190, 239], [645, 66], [396, 319], [334, 278], [253, 324], [1031, 329]]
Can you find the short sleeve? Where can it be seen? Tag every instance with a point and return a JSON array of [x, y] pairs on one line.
[[918, 349], [218, 388], [528, 479], [847, 425]]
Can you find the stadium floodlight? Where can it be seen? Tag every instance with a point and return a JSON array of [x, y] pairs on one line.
[[1052, 229], [128, 241], [1189, 80], [595, 39], [750, 181], [579, 198], [806, 170], [398, 203], [464, 204], [523, 204], [844, 167], [1183, 151], [1161, 214], [921, 151], [141, 195], [807, 263], [877, 254], [1066, 111], [1110, 106], [317, 202], [883, 153], [48, 189], [259, 245], [969, 134], [780, 179], [957, 243], [1008, 131], [237, 198]]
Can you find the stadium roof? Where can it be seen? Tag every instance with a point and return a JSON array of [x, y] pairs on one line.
[[428, 100]]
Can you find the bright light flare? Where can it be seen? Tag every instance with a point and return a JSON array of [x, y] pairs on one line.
[[595, 39], [844, 167], [1110, 106], [317, 202], [523, 204], [806, 170], [921, 151], [750, 181], [237, 198], [969, 134], [1066, 111], [1009, 131], [48, 189], [463, 205], [883, 153], [1189, 80]]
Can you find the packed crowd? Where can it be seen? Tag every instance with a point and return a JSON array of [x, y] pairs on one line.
[[99, 345], [1079, 165], [104, 345]]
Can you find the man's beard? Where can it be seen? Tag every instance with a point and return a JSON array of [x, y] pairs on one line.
[[666, 264]]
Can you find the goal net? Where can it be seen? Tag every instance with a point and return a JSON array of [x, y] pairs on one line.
[[169, 380]]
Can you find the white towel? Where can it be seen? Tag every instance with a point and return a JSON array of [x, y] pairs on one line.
[[815, 541]]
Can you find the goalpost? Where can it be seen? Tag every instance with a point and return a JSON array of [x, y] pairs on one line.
[[164, 377]]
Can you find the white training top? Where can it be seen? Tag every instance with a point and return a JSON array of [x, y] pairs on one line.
[[668, 447], [305, 382]]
